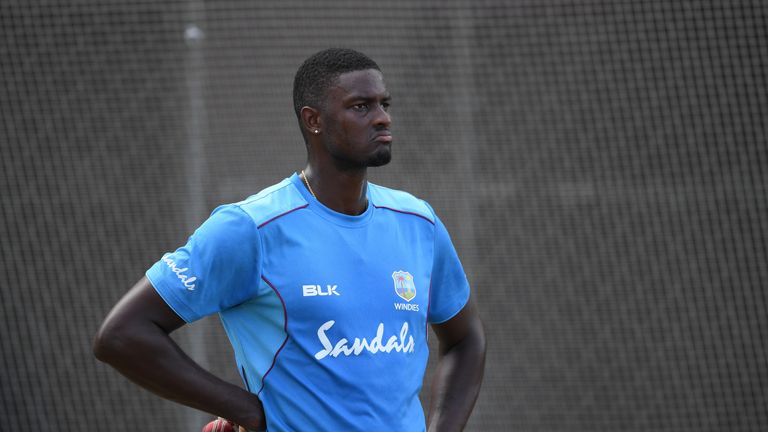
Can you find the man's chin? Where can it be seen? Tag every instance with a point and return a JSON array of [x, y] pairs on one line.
[[381, 158]]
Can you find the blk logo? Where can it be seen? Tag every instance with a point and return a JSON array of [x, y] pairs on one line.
[[319, 290]]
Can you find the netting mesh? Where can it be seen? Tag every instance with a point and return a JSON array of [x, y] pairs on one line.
[[601, 166]]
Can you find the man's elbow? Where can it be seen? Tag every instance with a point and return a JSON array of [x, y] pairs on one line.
[[109, 342]]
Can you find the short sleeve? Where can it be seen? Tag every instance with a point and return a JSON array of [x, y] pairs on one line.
[[218, 267], [449, 290]]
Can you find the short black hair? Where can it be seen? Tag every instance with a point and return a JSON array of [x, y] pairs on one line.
[[320, 71]]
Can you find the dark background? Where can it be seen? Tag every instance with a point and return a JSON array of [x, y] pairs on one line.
[[601, 165]]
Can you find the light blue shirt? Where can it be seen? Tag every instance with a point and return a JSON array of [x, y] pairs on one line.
[[327, 313]]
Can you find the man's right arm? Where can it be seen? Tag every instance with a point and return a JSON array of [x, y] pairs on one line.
[[134, 339]]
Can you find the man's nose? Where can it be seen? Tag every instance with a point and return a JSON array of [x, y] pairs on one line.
[[382, 116]]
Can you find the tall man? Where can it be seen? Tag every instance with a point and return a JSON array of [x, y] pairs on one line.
[[325, 284]]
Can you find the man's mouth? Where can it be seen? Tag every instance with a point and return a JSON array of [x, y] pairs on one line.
[[383, 137]]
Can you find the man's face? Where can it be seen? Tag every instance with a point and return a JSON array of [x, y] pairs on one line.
[[356, 122]]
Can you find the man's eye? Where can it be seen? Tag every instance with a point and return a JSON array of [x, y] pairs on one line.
[[385, 105], [360, 107]]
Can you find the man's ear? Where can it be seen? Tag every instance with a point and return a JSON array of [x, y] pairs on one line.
[[310, 120]]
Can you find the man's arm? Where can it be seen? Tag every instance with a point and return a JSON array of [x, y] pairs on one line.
[[460, 367], [134, 339]]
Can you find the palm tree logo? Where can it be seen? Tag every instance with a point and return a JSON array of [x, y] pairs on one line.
[[404, 286]]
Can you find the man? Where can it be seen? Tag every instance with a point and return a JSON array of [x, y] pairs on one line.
[[324, 283]]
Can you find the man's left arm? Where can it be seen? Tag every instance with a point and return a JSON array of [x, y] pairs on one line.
[[460, 367]]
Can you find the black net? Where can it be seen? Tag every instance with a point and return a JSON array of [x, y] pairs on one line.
[[601, 165]]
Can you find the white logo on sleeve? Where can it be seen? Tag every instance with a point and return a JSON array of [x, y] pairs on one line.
[[404, 343], [318, 290], [188, 281]]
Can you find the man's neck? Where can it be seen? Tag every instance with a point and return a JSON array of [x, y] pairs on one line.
[[341, 191]]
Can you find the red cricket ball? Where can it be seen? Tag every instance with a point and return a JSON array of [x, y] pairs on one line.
[[219, 425]]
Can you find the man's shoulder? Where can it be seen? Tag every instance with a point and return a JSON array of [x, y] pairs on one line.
[[400, 201], [272, 202]]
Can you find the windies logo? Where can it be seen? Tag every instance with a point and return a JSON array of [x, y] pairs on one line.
[[404, 286]]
